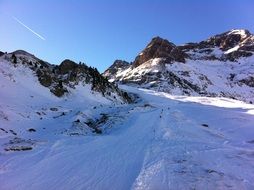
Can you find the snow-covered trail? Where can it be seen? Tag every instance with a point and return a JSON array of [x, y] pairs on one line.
[[198, 145], [92, 163], [162, 143]]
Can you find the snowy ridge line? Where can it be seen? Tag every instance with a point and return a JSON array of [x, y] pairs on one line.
[[221, 66]]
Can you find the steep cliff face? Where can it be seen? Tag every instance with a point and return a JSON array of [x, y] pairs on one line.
[[160, 48], [222, 65]]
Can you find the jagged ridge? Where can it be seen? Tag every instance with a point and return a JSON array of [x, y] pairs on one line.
[[60, 78], [222, 65]]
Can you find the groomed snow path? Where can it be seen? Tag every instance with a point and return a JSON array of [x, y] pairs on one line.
[[162, 142]]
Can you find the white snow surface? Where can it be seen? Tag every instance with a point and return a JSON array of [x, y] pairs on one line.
[[232, 49], [161, 142], [238, 31]]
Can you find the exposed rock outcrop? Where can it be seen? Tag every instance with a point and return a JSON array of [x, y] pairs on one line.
[[160, 48]]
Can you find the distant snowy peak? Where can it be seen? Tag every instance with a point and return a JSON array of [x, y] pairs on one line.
[[243, 33], [222, 65], [230, 39], [230, 45]]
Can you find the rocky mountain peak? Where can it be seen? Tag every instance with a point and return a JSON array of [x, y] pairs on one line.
[[117, 66], [228, 40], [160, 48], [119, 63], [230, 45], [159, 41]]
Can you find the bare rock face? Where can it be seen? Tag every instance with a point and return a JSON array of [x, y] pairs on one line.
[[160, 48]]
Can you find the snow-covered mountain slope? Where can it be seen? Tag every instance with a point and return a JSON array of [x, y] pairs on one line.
[[30, 101], [223, 65], [25, 99], [61, 79], [161, 142]]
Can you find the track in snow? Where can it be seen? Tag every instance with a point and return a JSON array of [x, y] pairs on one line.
[[160, 144]]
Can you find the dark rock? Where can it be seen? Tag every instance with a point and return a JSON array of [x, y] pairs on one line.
[[18, 144], [233, 56], [54, 109], [3, 130], [18, 148], [13, 132], [14, 58], [251, 141], [205, 125], [248, 81], [44, 78], [231, 76], [58, 89], [31, 130], [97, 131], [174, 80], [62, 114]]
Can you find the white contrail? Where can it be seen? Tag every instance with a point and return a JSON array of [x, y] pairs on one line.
[[38, 35]]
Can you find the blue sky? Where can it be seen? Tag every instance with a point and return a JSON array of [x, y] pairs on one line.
[[99, 31]]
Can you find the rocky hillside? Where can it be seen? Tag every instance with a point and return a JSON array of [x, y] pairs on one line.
[[118, 65], [62, 79], [222, 65]]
